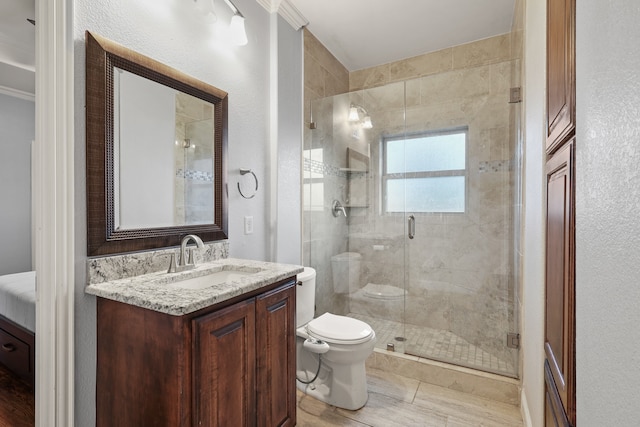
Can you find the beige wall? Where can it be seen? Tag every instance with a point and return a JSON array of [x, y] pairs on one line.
[[482, 52]]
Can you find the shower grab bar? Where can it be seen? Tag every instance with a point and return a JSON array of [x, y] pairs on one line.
[[412, 226]]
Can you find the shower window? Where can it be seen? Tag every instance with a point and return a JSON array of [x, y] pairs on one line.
[[425, 172]]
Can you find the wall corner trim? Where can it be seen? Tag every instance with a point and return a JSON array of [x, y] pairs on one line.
[[270, 6], [287, 10], [292, 15]]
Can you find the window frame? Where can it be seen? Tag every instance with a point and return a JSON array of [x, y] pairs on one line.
[[385, 177]]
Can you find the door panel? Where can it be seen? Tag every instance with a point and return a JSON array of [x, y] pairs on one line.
[[559, 284], [275, 338], [224, 357]]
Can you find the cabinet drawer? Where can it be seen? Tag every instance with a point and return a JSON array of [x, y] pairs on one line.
[[14, 353]]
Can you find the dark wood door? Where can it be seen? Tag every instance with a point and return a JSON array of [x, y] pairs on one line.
[[276, 349], [560, 72], [224, 357], [559, 285]]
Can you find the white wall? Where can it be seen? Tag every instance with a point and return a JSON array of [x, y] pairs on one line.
[[289, 148], [534, 213], [172, 32], [607, 213], [17, 130]]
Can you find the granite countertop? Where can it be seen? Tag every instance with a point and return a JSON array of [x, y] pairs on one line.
[[158, 291]]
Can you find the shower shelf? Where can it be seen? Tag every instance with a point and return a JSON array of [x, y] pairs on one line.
[[352, 170]]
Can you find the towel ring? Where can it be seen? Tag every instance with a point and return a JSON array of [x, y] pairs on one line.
[[244, 172]]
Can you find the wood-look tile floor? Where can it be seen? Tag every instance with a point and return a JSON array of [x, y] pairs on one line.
[[399, 401], [17, 401]]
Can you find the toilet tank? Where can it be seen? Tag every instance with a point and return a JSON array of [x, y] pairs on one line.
[[305, 296], [346, 272]]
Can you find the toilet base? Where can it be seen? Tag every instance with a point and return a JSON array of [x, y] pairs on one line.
[[343, 385]]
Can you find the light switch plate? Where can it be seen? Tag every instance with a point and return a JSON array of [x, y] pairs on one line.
[[248, 224]]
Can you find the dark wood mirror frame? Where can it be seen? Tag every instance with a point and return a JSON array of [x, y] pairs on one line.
[[102, 56]]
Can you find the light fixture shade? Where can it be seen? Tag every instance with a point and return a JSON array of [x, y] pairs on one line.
[[236, 28], [353, 114], [366, 123]]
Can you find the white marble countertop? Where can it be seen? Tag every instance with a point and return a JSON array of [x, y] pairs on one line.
[[155, 291]]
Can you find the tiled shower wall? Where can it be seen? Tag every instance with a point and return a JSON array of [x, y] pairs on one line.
[[460, 267], [324, 235]]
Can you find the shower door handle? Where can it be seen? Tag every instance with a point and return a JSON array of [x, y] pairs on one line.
[[412, 226]]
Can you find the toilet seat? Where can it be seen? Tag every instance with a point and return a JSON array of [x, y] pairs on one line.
[[339, 329]]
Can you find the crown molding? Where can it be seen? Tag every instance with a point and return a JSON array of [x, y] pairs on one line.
[[292, 15], [287, 10], [5, 90], [270, 6]]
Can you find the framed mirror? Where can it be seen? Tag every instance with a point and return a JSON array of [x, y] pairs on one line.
[[156, 153]]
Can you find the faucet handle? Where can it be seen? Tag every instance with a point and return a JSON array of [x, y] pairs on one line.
[[191, 260], [172, 264]]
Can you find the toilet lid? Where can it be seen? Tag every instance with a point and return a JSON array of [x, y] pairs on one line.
[[339, 329]]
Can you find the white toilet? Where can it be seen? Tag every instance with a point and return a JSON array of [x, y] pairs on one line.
[[331, 351]]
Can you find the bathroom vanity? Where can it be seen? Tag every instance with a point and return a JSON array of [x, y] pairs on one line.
[[212, 346]]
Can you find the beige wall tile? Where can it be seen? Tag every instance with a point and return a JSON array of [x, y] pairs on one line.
[[369, 77], [481, 52], [314, 75], [422, 65], [466, 83], [325, 58]]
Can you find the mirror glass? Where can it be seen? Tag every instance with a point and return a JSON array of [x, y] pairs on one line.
[[156, 153], [173, 130]]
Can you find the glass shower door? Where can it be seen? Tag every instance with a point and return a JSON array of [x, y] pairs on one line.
[[458, 190], [426, 180]]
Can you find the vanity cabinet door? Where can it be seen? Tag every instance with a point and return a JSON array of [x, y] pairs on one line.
[[276, 352], [224, 356]]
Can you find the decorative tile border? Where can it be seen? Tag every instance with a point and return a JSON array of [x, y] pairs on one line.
[[495, 166], [194, 175], [323, 168]]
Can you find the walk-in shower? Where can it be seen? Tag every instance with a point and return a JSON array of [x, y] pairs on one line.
[[430, 186]]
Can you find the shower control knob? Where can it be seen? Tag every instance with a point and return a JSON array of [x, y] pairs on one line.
[[315, 346]]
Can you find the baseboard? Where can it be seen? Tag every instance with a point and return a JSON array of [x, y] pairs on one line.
[[524, 410]]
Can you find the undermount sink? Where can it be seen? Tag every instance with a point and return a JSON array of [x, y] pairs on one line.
[[212, 279]]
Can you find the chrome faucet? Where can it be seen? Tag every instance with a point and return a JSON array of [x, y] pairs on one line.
[[337, 208], [184, 263]]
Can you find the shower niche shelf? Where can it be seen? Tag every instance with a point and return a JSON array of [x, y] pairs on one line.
[[357, 179]]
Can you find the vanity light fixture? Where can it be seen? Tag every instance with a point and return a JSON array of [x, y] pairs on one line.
[[236, 27], [206, 8], [354, 116]]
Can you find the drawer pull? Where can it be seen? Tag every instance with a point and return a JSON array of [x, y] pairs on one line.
[[8, 348]]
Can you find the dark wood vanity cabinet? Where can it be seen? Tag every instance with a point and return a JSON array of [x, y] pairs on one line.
[[232, 364]]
